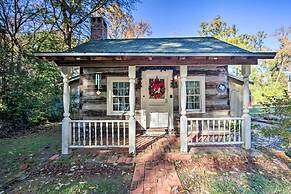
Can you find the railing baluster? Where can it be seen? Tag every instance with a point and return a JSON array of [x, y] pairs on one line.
[[234, 131], [101, 133], [229, 129], [213, 127], [191, 131], [224, 129], [118, 134], [202, 130], [106, 133], [207, 130], [197, 131], [79, 131], [219, 129], [112, 131], [74, 131], [95, 133], [84, 133], [239, 128], [123, 133], [90, 137]]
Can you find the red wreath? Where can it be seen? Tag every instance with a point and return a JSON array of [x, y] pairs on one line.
[[157, 88]]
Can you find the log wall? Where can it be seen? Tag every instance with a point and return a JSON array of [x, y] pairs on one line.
[[94, 107]]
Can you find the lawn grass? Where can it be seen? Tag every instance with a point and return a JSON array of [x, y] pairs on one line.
[[88, 184], [230, 171], [45, 176], [29, 149], [249, 183]]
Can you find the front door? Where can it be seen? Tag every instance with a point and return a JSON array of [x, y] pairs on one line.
[[157, 98]]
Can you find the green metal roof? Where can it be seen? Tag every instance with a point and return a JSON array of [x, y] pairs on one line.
[[182, 46], [158, 45]]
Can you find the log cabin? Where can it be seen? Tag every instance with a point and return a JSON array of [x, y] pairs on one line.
[[155, 86]]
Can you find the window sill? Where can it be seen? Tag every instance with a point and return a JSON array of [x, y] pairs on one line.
[[117, 113], [194, 111]]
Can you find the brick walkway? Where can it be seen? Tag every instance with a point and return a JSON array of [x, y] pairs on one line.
[[154, 173]]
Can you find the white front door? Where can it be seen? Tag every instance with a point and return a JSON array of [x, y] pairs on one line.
[[157, 98]]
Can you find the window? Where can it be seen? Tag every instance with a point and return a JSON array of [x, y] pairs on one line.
[[195, 94], [118, 95]]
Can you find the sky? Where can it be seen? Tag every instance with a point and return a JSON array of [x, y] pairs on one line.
[[170, 18]]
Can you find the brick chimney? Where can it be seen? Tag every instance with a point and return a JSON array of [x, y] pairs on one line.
[[98, 28]]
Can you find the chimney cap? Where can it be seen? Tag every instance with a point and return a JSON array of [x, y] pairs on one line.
[[93, 17]]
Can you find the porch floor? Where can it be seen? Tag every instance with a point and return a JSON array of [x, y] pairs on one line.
[[208, 138]]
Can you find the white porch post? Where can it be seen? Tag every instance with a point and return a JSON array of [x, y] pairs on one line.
[[246, 70], [66, 120], [183, 118], [132, 122]]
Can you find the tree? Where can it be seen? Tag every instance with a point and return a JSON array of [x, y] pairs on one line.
[[122, 24], [20, 17], [229, 33], [279, 104], [46, 41], [138, 30], [267, 75], [220, 29], [269, 79], [71, 17], [30, 90], [217, 28], [280, 107], [284, 53]]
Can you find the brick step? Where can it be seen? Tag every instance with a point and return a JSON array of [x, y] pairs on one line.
[[156, 131], [177, 157]]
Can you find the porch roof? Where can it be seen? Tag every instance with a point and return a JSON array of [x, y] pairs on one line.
[[155, 51], [179, 46]]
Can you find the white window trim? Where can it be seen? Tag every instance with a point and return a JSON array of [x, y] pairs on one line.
[[110, 81], [202, 91]]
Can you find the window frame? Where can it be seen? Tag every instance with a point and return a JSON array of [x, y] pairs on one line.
[[109, 100], [201, 79]]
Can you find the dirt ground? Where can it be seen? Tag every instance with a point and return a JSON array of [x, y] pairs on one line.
[[233, 170]]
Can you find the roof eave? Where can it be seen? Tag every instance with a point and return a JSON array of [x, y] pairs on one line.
[[265, 55], [259, 55]]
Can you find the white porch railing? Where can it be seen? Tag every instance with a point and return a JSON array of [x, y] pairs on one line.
[[216, 131], [98, 133]]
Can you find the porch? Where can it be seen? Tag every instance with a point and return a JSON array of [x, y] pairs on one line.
[[115, 133], [194, 130]]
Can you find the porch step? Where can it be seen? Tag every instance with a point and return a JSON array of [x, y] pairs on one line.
[[156, 131]]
